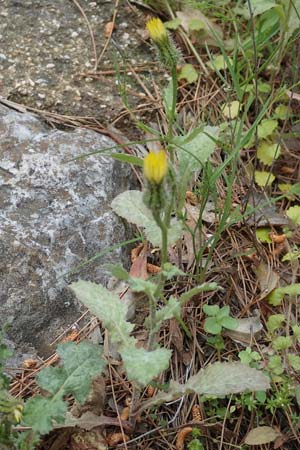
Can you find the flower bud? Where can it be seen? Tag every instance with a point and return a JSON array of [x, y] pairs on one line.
[[168, 53], [155, 167]]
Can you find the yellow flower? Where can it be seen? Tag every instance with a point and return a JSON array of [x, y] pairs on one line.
[[155, 166], [157, 30], [18, 412]]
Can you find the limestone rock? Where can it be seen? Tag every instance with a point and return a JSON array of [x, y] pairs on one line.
[[54, 215]]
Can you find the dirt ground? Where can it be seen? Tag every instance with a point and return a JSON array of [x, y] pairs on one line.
[[58, 56]]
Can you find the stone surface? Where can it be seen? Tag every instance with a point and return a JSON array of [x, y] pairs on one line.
[[54, 214], [47, 58]]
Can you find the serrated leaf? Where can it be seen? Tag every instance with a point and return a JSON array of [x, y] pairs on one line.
[[261, 435], [275, 322], [227, 378], [142, 366], [107, 306], [212, 326], [231, 110], [293, 213], [81, 363], [266, 128], [40, 412], [188, 73], [263, 179], [276, 297], [130, 206], [172, 24], [294, 361], [282, 342], [267, 153]]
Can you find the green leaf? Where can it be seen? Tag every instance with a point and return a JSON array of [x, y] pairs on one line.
[[170, 310], [130, 206], [293, 23], [117, 271], [263, 235], [196, 25], [142, 366], [212, 326], [140, 285], [188, 73], [275, 365], [230, 323], [282, 343], [219, 63], [172, 24], [282, 112], [211, 310], [275, 322], [107, 306], [40, 412], [267, 153], [129, 159], [81, 363], [275, 297], [258, 7], [224, 312], [293, 213], [227, 378], [296, 331], [231, 110], [205, 287], [294, 361], [195, 148], [263, 179], [153, 232], [170, 271], [266, 128]]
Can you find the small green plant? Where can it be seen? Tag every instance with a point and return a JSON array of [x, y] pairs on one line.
[[218, 318], [195, 443]]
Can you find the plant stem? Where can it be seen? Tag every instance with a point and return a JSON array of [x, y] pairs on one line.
[[164, 236]]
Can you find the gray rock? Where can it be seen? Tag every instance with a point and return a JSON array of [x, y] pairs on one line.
[[54, 214]]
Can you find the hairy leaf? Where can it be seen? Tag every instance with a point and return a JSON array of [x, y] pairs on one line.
[[195, 148], [40, 412], [143, 366], [130, 205], [107, 306], [227, 378], [276, 297], [261, 435]]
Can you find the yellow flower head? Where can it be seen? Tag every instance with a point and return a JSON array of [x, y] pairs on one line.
[[157, 30], [155, 166]]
